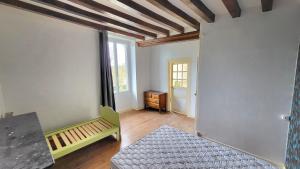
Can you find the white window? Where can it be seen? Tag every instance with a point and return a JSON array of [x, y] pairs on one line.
[[118, 52], [180, 75]]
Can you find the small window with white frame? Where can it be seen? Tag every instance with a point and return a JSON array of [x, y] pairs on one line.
[[180, 75]]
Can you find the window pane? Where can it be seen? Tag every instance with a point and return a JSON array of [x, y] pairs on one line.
[[122, 67], [184, 83], [112, 64], [175, 67], [179, 83], [179, 75], [111, 54], [174, 75], [185, 67], [184, 75], [179, 67], [174, 83]]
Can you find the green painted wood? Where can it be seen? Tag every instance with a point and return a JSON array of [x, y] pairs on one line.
[[110, 115], [49, 133], [82, 143], [106, 113]]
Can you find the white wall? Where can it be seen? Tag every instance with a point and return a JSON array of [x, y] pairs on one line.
[[2, 105], [160, 58], [143, 56], [48, 66], [247, 68]]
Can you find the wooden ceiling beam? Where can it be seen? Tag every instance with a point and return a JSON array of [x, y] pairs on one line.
[[200, 9], [93, 5], [69, 8], [233, 7], [174, 38], [152, 15], [167, 6], [267, 5], [48, 12]]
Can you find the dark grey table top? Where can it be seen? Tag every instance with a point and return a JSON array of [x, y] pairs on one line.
[[22, 143]]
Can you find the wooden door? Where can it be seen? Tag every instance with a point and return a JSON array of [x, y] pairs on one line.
[[179, 87]]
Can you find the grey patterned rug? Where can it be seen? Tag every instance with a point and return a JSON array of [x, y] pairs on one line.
[[170, 148]]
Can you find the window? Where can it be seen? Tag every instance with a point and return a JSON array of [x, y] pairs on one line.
[[180, 75], [119, 65]]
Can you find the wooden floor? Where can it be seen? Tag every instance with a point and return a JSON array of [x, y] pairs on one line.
[[134, 126]]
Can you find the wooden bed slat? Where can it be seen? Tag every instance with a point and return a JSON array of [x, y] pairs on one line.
[[101, 125], [88, 130], [70, 137], [56, 141], [65, 139], [92, 130], [106, 122], [83, 132], [74, 135], [95, 128], [79, 134]]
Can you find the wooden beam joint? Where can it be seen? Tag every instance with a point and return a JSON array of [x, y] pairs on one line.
[[175, 38]]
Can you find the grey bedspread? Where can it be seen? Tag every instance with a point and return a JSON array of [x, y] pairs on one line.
[[170, 148]]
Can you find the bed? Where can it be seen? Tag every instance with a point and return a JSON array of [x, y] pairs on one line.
[[170, 148], [71, 138]]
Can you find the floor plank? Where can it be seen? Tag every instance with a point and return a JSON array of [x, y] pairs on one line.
[[134, 126]]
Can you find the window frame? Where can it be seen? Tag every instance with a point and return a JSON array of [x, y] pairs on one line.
[[180, 71], [115, 41]]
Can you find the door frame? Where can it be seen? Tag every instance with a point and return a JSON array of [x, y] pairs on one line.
[[170, 95]]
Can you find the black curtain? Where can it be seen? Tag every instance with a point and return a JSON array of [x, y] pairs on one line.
[[106, 80]]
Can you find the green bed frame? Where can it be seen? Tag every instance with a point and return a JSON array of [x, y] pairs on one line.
[[69, 139]]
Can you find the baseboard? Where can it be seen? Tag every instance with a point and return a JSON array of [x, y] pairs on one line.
[[125, 110], [129, 109], [193, 117], [138, 109]]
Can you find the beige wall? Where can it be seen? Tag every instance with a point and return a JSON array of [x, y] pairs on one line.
[[48, 66]]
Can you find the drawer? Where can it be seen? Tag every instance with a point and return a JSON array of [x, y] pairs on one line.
[[155, 96], [148, 95], [153, 105], [152, 100]]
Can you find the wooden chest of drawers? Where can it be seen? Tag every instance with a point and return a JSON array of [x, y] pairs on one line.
[[156, 100]]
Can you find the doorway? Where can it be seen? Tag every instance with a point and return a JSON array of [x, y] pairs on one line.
[[179, 86]]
